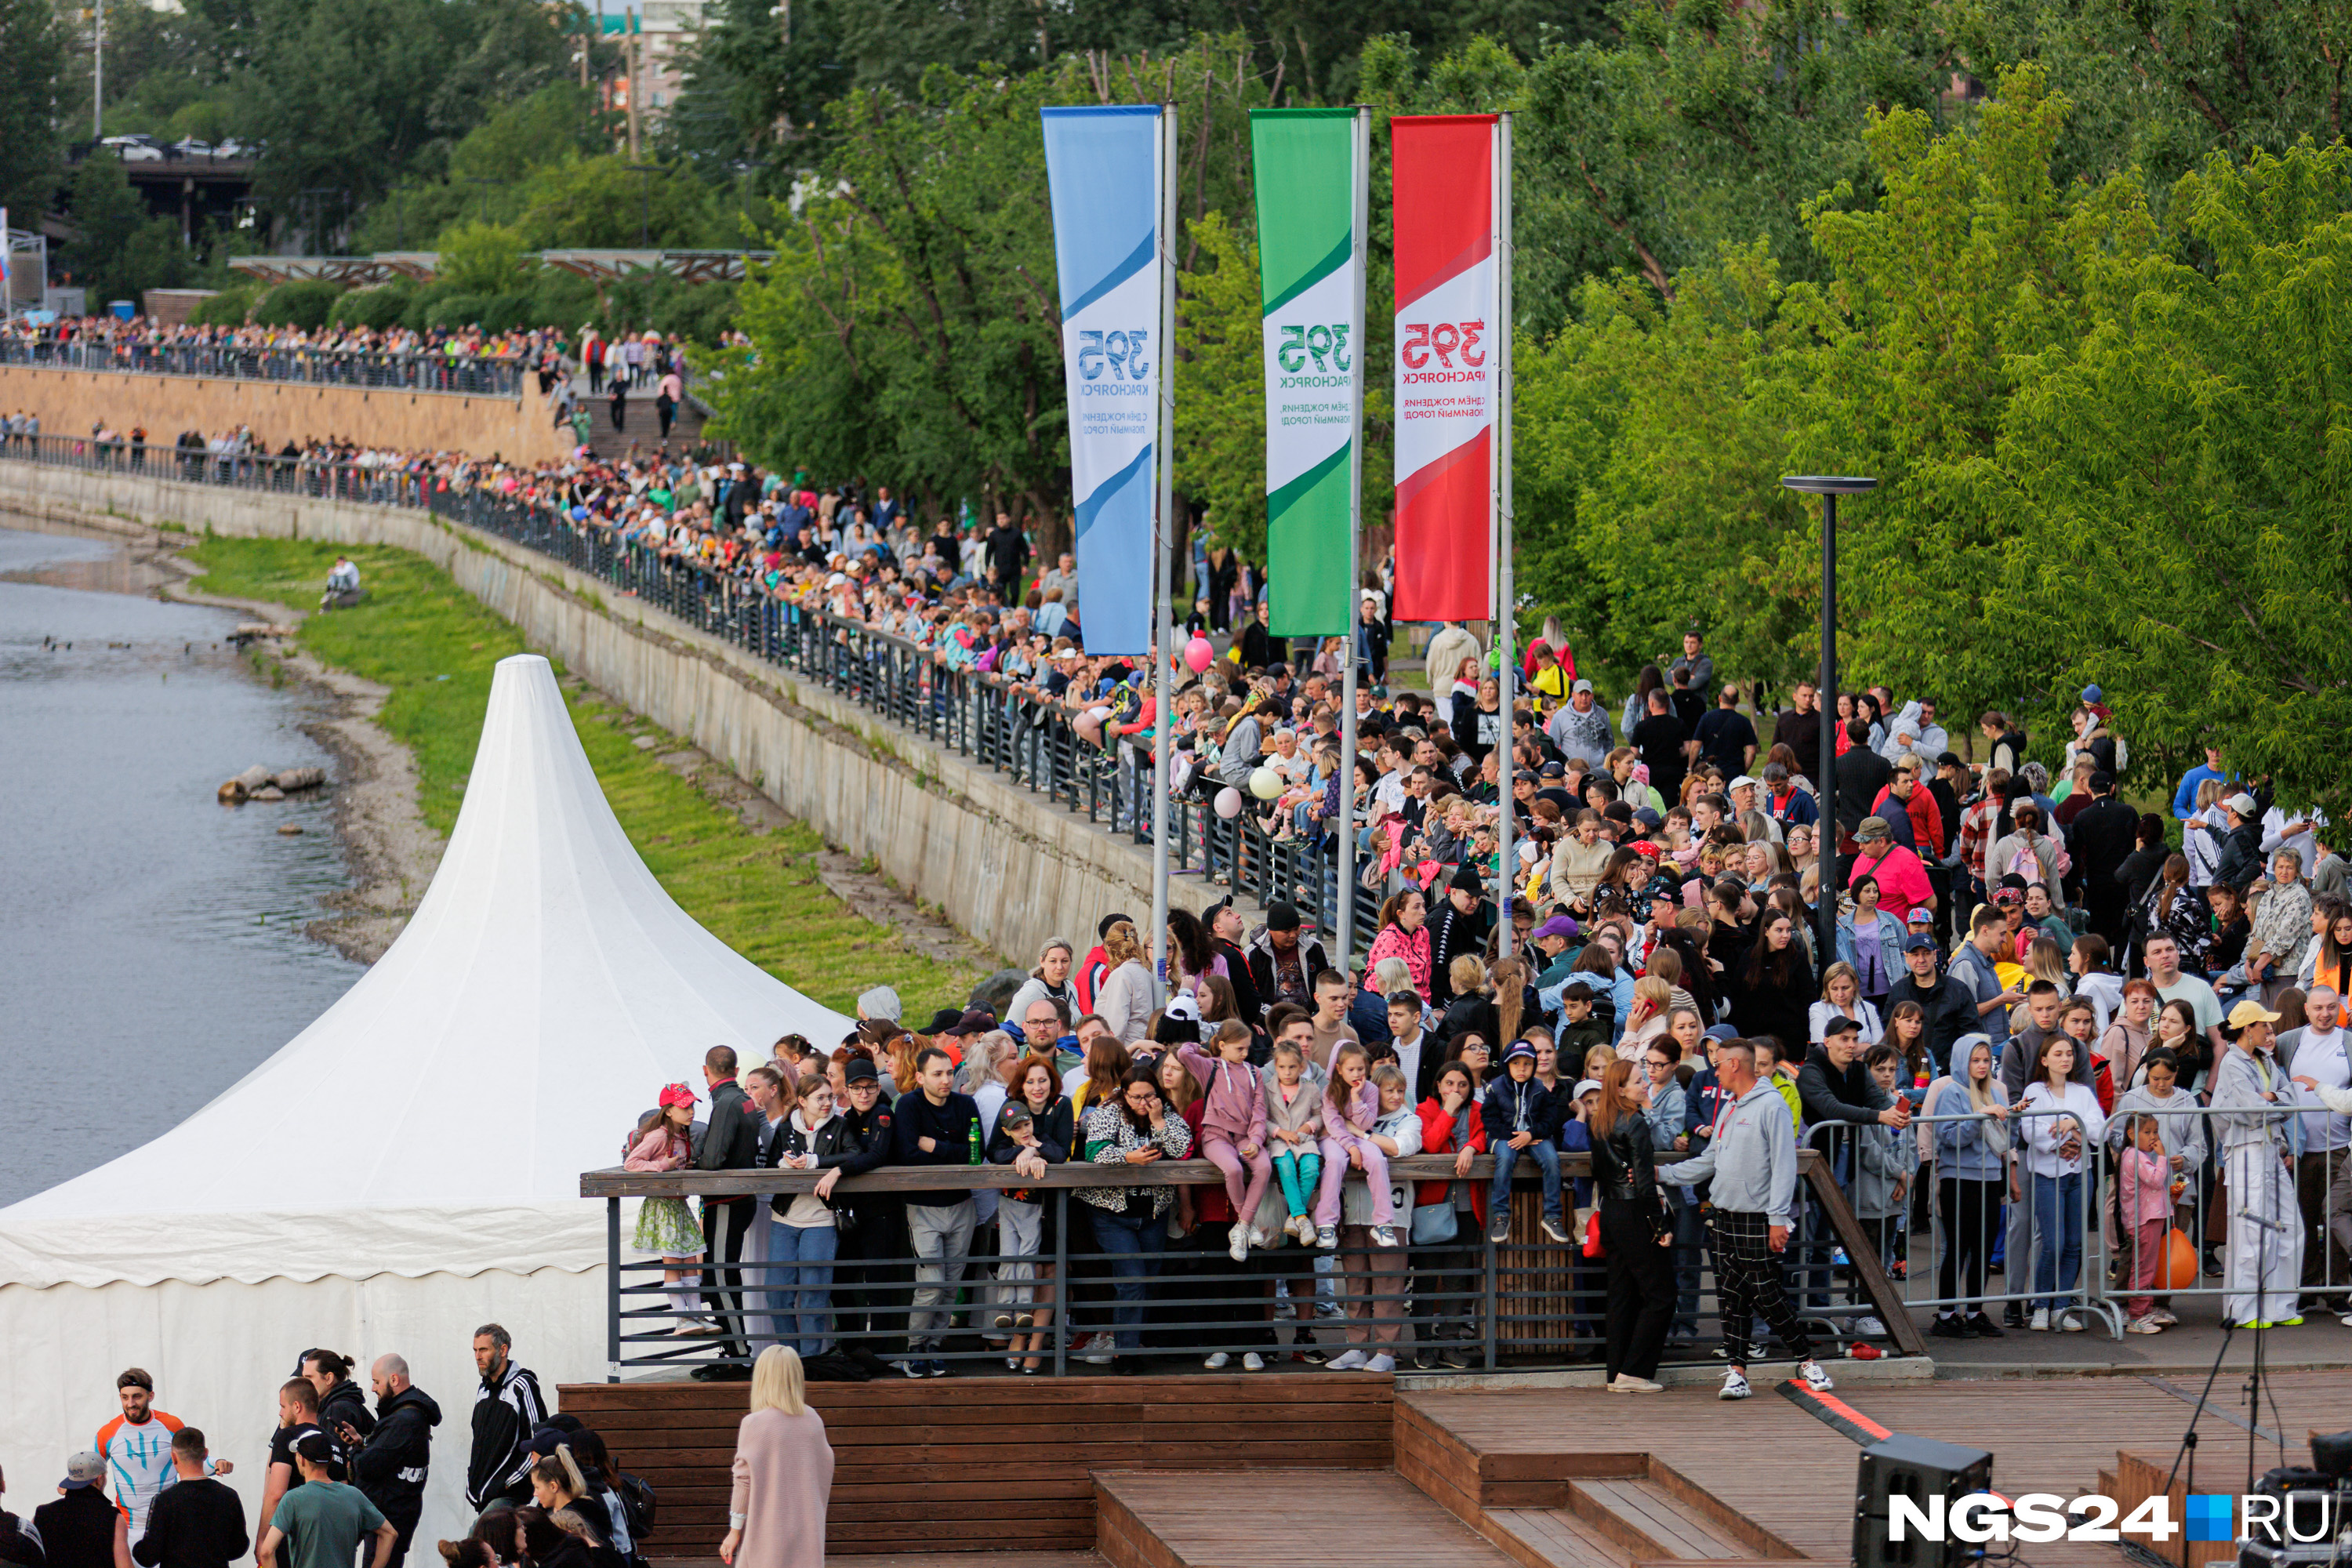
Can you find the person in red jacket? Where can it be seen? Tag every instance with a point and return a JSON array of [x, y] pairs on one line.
[[1096, 967], [1447, 1288]]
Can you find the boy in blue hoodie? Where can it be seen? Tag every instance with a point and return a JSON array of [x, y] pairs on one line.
[[1522, 1122]]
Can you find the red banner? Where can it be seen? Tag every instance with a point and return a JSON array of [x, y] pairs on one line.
[[1447, 321]]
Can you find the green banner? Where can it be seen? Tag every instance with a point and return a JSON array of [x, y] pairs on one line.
[[1308, 284]]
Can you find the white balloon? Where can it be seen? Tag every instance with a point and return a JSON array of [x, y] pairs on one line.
[[1229, 801], [1265, 783]]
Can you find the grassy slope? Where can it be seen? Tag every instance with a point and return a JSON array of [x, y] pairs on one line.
[[758, 895]]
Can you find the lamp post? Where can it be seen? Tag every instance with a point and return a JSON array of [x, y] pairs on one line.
[[644, 197], [1829, 487]]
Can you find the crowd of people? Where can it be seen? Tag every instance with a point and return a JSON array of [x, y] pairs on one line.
[[2024, 966], [340, 1478]]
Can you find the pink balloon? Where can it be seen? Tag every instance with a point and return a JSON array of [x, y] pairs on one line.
[[1229, 802], [1199, 654]]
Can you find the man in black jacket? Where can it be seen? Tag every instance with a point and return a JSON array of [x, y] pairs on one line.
[[1838, 1097], [863, 1300], [195, 1522], [1282, 963], [936, 1126], [78, 1530], [731, 1143], [1950, 1008], [390, 1466], [508, 1409], [1225, 931], [2105, 833], [20, 1543], [1460, 924], [1860, 775]]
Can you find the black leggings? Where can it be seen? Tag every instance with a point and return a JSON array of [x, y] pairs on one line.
[[1972, 1212]]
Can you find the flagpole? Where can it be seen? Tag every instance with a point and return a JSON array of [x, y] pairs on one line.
[[1162, 540], [1505, 588], [1362, 176]]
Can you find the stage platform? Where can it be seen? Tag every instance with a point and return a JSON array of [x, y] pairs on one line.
[[1343, 1471]]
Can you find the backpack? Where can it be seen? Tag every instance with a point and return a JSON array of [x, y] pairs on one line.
[[636, 1501]]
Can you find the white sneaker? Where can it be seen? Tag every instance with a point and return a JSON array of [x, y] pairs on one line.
[[1384, 1236], [1382, 1362], [2040, 1321], [2165, 1320], [1238, 1247], [1815, 1378], [2143, 1325], [1253, 1361], [1094, 1350], [1217, 1362], [1626, 1382], [1327, 1237], [1350, 1360], [2071, 1321], [1259, 1238], [1303, 1228], [1735, 1386], [1868, 1328]]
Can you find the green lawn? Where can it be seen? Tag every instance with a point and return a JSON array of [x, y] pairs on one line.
[[434, 646]]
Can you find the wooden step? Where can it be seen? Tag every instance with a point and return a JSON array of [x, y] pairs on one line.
[[1302, 1518], [1551, 1538], [1648, 1523]]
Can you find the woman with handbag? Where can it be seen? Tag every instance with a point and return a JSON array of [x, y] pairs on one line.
[[1636, 1236]]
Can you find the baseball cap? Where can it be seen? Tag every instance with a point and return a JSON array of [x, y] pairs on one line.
[[315, 1447], [1645, 816], [881, 1002], [2243, 804], [2250, 1012], [1950, 760], [1558, 925], [1586, 1086], [1552, 771], [1183, 1005], [1517, 1049], [676, 1094], [84, 1470], [1841, 1025], [861, 1070], [2008, 896], [1920, 942], [944, 1021], [1579, 686], [978, 1021], [1920, 915], [1743, 781]]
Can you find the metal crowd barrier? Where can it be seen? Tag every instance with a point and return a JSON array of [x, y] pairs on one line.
[[1983, 1247], [1480, 1305], [418, 371]]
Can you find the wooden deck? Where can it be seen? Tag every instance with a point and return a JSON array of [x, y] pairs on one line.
[[1544, 1473], [977, 1465]]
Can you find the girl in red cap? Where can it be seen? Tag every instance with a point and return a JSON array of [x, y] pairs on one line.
[[664, 1141]]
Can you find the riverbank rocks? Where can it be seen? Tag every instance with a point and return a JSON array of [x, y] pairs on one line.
[[258, 783]]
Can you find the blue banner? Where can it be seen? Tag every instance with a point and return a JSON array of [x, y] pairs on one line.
[[1102, 172]]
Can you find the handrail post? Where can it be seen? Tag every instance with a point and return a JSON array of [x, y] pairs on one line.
[[613, 1290]]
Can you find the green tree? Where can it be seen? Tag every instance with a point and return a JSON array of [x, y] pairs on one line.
[[910, 322], [122, 250], [32, 62], [481, 258], [2183, 470], [600, 202]]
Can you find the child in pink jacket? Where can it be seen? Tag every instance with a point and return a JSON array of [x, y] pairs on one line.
[[1352, 1106], [2144, 1205], [1233, 1127]]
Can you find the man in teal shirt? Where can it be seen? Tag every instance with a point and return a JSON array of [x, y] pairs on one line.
[[324, 1521]]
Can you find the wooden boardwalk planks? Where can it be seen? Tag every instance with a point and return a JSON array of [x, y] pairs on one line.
[[984, 1464], [1304, 1519]]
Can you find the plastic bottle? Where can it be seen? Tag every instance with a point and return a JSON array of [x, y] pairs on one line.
[[973, 1156]]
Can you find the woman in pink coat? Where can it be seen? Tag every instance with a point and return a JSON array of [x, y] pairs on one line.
[[783, 1473]]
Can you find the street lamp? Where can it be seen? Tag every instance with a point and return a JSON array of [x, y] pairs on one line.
[[644, 197], [1829, 487]]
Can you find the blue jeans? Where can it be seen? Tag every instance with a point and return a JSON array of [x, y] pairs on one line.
[[799, 1297], [2058, 1249], [1133, 1242], [1547, 1155]]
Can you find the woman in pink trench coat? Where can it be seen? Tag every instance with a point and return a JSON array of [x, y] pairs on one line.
[[783, 1473]]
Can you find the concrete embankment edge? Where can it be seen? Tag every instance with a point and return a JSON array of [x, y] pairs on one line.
[[999, 862]]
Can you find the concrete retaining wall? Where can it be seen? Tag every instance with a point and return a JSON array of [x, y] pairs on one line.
[[1001, 863]]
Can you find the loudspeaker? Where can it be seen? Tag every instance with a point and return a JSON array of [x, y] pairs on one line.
[[1917, 1468]]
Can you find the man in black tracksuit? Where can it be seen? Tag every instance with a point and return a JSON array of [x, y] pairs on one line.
[[864, 1294], [390, 1466], [731, 1143], [508, 1408]]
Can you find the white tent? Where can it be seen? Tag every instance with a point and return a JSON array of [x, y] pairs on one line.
[[408, 1166]]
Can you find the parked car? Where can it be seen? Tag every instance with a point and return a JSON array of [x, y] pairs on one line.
[[134, 149]]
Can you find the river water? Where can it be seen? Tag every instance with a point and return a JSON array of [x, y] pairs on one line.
[[151, 940]]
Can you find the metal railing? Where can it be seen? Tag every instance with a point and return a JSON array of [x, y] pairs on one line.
[[422, 370], [1467, 1303], [2056, 1242]]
